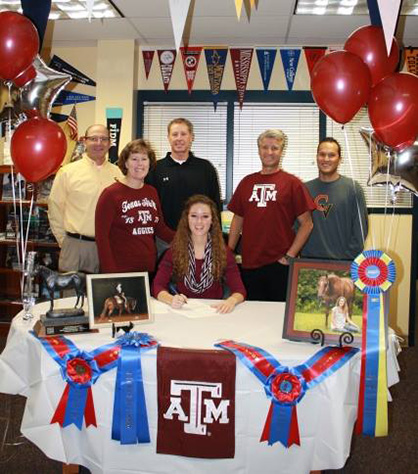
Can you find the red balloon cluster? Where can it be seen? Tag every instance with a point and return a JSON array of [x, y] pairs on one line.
[[38, 147], [19, 44], [341, 86]]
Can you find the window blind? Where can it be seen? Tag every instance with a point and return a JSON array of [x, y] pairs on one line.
[[210, 130], [300, 123]]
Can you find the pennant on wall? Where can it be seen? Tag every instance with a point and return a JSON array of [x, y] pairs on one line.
[[67, 97], [241, 63], [166, 58], [266, 58], [290, 59], [389, 13], [190, 57], [114, 125], [313, 55], [60, 65], [215, 63], [148, 56], [411, 59], [178, 12]]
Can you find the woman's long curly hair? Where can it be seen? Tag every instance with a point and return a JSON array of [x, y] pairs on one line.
[[183, 235]]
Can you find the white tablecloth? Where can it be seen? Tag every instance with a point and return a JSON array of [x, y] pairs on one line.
[[326, 414]]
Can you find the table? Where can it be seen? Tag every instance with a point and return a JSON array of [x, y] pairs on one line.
[[326, 414]]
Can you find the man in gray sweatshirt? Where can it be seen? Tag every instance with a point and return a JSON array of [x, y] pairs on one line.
[[340, 218]]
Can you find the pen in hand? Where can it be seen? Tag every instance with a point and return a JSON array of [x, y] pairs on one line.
[[177, 302]]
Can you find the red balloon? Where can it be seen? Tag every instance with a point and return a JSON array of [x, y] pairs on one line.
[[368, 42], [393, 109], [19, 44], [38, 147], [26, 76], [340, 85]]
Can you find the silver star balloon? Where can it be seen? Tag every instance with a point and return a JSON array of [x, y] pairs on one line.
[[398, 170], [37, 96]]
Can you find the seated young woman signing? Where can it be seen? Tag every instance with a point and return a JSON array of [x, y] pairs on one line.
[[199, 261]]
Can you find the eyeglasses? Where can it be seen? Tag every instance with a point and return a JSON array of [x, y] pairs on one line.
[[98, 139]]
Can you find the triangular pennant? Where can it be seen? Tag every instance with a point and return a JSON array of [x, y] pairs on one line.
[[76, 76], [238, 8], [411, 59], [69, 97], [178, 12], [215, 63], [389, 13], [290, 59], [166, 58], [190, 57], [148, 56], [313, 55], [241, 64], [266, 58], [89, 6]]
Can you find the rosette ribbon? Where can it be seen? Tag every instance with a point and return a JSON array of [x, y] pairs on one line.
[[130, 420], [286, 386], [80, 370], [373, 272]]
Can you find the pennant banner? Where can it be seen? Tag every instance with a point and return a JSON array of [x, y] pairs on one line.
[[114, 125], [178, 12], [60, 65], [166, 58], [241, 63], [67, 97], [389, 14], [266, 58], [313, 55], [148, 56], [190, 57], [411, 59], [215, 63], [373, 272], [238, 8], [290, 59]]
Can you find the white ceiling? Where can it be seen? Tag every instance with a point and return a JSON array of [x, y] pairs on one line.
[[214, 22]]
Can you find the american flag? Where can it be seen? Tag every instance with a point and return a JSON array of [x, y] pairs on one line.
[[72, 124]]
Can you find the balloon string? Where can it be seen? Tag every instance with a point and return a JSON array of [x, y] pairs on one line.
[[390, 228], [354, 183], [16, 226], [373, 234], [386, 200]]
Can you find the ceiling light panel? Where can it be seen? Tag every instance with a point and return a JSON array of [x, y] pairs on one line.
[[69, 9], [346, 7]]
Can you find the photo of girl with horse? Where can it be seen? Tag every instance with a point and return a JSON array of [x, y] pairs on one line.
[[199, 260], [129, 217], [340, 319]]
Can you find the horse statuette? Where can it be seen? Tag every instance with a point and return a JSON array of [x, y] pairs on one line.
[[55, 281]]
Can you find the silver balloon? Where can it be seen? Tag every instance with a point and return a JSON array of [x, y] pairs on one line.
[[398, 170], [37, 96]]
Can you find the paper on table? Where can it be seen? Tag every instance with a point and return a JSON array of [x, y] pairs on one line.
[[195, 308]]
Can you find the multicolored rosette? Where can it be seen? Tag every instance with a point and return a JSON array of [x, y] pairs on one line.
[[373, 272], [286, 386], [80, 369], [130, 420]]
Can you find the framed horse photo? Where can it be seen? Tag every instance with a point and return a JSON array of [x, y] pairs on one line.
[[118, 298], [321, 296]]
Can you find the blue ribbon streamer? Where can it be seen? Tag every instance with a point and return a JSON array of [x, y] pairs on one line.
[[130, 420], [372, 365]]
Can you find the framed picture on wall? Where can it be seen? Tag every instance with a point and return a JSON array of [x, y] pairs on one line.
[[118, 298], [321, 295]]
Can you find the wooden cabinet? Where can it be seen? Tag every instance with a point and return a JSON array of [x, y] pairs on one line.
[[40, 239]]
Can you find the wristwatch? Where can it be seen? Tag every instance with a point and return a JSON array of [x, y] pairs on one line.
[[288, 258]]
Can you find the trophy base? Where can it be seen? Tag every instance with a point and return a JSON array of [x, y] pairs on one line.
[[63, 313], [70, 324]]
